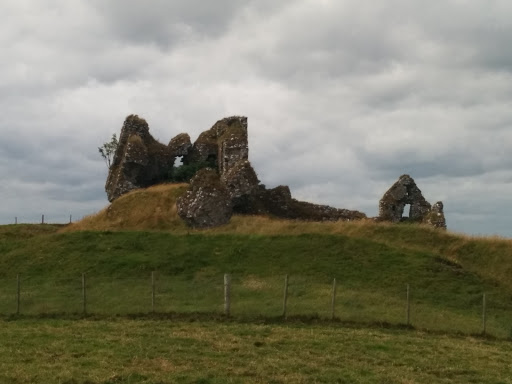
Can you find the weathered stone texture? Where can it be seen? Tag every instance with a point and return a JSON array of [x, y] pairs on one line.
[[241, 179], [207, 202], [303, 210], [180, 145], [279, 202], [403, 192], [436, 217], [233, 145], [217, 146], [139, 161], [231, 185]]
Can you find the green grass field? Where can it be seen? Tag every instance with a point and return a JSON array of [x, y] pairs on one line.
[[371, 277], [188, 339], [155, 351]]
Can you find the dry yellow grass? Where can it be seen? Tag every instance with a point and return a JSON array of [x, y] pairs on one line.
[[152, 208]]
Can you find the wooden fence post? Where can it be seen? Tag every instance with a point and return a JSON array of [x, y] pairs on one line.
[[18, 293], [285, 296], [16, 220], [408, 305], [42, 219], [484, 315], [153, 291], [84, 295], [70, 216], [227, 294], [333, 301]]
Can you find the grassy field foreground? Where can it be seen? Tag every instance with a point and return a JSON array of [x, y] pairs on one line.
[[153, 351]]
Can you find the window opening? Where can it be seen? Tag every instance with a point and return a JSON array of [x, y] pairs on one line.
[[178, 162], [407, 211]]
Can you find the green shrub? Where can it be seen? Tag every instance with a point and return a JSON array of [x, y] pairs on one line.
[[185, 172]]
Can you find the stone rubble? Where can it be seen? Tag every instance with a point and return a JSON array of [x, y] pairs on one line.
[[206, 202]]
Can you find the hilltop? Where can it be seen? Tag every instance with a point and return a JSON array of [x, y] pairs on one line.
[[154, 209], [372, 262]]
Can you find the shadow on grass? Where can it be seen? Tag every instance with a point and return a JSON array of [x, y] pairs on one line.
[[296, 320]]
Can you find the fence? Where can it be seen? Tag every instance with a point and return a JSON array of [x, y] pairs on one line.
[[253, 296], [43, 220]]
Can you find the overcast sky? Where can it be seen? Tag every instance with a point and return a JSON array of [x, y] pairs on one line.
[[342, 97]]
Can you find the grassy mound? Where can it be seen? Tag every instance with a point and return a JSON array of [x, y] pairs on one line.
[[119, 247], [152, 208]]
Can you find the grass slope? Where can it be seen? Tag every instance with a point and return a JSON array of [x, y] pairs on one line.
[[372, 264], [153, 209]]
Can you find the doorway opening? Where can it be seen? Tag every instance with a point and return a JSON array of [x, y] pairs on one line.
[[407, 212]]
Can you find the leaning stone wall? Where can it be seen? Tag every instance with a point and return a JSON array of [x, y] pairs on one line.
[[141, 161]]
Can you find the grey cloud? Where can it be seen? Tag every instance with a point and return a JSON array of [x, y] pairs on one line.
[[348, 42], [64, 46], [405, 162], [167, 22]]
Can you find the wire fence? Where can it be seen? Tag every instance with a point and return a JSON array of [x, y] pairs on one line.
[[253, 296], [59, 220]]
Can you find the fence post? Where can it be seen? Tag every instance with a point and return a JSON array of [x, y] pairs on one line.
[[70, 216], [18, 293], [16, 220], [484, 315], [333, 302], [408, 305], [227, 294], [153, 291], [285, 296], [84, 294], [42, 219]]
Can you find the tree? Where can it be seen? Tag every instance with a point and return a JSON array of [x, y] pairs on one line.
[[108, 149]]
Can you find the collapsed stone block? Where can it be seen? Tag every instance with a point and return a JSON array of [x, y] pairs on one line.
[[207, 202], [240, 179]]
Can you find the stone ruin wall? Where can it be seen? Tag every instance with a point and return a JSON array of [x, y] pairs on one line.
[[406, 192], [230, 184]]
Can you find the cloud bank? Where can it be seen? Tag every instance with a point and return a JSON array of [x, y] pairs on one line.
[[342, 97]]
